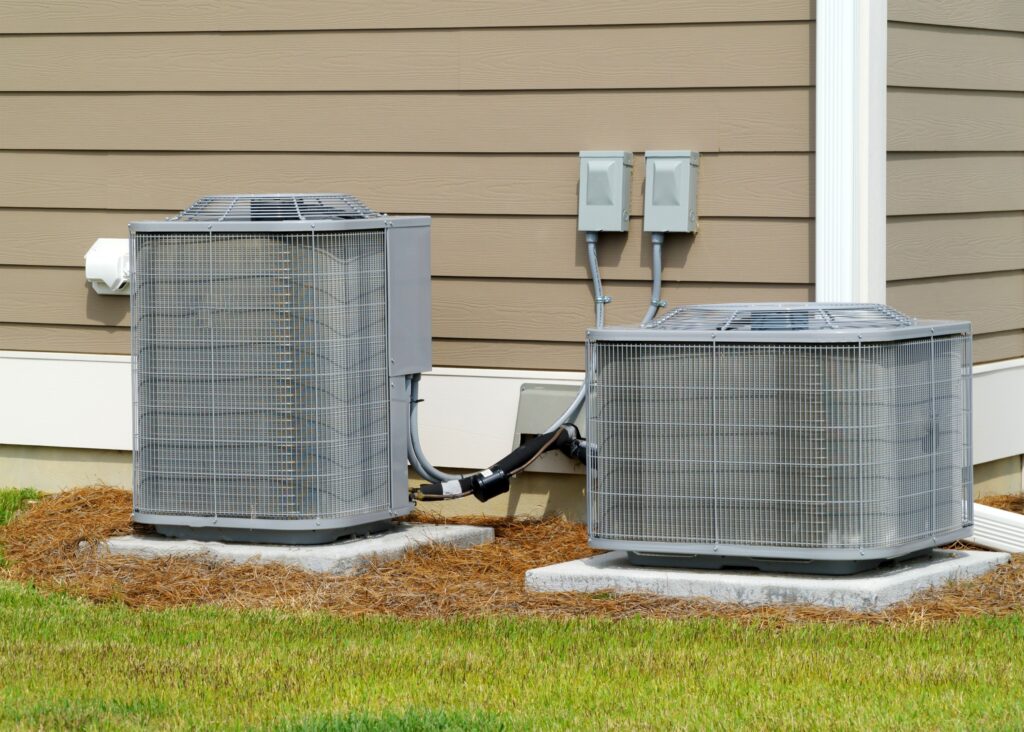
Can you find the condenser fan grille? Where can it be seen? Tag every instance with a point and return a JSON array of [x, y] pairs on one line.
[[261, 368], [781, 317], [277, 207], [832, 447]]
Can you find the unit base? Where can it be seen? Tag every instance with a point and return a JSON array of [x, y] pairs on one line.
[[346, 557], [868, 591], [800, 566], [271, 536]]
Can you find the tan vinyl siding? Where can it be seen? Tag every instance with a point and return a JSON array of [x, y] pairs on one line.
[[473, 112], [956, 167], [1006, 15], [731, 184], [955, 58], [939, 182], [730, 55], [160, 16], [64, 338], [150, 16], [779, 250], [926, 120], [992, 302], [737, 120], [939, 245], [998, 346], [523, 309]]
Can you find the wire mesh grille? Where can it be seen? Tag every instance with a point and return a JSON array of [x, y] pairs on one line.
[[261, 379], [781, 317], [820, 446], [277, 207]]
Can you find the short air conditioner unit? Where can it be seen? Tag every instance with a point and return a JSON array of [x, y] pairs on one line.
[[786, 436], [271, 338]]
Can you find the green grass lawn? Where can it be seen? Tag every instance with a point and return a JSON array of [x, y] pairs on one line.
[[11, 499], [67, 664]]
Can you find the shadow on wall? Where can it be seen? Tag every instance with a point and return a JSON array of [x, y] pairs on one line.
[[532, 494], [999, 477], [106, 309], [58, 468]]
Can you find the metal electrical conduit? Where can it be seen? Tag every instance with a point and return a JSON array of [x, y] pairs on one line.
[[657, 239], [450, 485]]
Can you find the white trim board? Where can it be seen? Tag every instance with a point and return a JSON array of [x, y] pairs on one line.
[[468, 416], [850, 150], [66, 400], [998, 400], [467, 419]]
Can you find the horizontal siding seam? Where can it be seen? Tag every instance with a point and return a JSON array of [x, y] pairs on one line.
[[956, 28], [901, 279], [890, 87], [411, 29], [965, 276]]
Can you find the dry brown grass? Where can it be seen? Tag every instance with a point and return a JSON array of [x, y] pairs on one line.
[[1013, 502], [42, 545]]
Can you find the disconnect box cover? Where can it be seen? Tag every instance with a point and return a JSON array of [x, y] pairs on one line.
[[605, 179], [670, 198]]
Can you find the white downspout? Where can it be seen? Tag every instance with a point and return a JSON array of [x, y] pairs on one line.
[[850, 149]]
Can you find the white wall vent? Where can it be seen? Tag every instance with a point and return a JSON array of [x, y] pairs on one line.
[[106, 266], [270, 339], [791, 436]]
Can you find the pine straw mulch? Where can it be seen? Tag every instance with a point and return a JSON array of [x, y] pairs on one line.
[[42, 546]]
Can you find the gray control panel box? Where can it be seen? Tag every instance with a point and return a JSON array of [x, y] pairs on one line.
[[670, 195], [605, 179], [539, 406]]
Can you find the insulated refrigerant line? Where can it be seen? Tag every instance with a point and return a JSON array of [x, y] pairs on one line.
[[600, 300], [558, 434]]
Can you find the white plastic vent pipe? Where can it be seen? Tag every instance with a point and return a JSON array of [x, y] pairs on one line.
[[107, 266]]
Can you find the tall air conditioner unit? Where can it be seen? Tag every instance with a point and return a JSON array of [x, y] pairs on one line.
[[787, 436], [271, 338]]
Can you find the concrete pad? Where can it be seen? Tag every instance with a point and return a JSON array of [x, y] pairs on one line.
[[865, 591], [345, 557]]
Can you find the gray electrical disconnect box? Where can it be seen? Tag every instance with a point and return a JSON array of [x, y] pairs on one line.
[[605, 178], [670, 197]]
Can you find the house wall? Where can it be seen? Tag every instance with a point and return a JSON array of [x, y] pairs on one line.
[[956, 166], [473, 112]]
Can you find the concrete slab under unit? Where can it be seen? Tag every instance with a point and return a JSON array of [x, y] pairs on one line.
[[872, 590], [346, 557]]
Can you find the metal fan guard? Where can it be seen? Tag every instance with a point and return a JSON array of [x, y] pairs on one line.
[[811, 444]]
